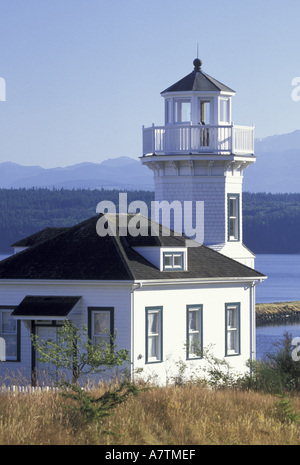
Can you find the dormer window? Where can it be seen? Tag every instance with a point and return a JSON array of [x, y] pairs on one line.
[[173, 261], [166, 258]]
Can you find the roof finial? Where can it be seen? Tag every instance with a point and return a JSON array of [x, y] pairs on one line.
[[197, 64]]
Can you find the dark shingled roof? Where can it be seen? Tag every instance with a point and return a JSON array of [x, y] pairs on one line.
[[80, 253], [39, 237], [197, 80], [47, 306]]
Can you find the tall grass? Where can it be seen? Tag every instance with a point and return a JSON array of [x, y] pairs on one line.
[[175, 415], [261, 409]]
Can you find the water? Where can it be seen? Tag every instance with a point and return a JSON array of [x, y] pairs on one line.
[[282, 285], [268, 336]]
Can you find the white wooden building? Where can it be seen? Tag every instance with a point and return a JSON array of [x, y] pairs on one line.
[[162, 298]]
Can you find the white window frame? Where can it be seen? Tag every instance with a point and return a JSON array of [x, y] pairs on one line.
[[224, 101], [234, 218], [232, 331], [168, 111], [178, 113], [196, 333], [203, 104], [173, 266], [105, 335], [154, 339], [14, 333]]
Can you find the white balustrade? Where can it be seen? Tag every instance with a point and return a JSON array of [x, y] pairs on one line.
[[180, 139]]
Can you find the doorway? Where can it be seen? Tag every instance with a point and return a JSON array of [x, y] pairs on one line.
[[45, 373]]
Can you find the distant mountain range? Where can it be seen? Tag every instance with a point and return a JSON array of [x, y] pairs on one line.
[[277, 166], [116, 173], [277, 170]]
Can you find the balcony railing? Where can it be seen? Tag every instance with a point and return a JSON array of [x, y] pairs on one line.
[[181, 139]]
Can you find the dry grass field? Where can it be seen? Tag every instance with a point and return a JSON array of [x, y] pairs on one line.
[[177, 415], [180, 415]]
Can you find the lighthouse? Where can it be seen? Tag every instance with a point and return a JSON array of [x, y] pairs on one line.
[[199, 155]]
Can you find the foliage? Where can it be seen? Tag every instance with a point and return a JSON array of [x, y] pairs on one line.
[[281, 361], [271, 222], [277, 373], [213, 371], [187, 415], [74, 352], [86, 408], [26, 211], [285, 410]]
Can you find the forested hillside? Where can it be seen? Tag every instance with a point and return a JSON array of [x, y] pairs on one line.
[[26, 211], [271, 221]]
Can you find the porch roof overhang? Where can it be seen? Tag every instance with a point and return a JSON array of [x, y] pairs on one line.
[[40, 307]]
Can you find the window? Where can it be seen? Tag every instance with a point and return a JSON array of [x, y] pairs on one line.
[[224, 110], [182, 111], [153, 334], [204, 112], [9, 336], [194, 331], [232, 323], [100, 325], [173, 261], [233, 217], [168, 111]]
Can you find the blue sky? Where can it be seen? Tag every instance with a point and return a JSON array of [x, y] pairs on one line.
[[83, 76]]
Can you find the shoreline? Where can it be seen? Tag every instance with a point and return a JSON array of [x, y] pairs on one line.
[[277, 312]]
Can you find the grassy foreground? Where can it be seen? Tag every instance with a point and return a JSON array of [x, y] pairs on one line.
[[177, 415]]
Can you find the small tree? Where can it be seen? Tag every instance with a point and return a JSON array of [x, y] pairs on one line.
[[281, 362], [74, 352], [277, 372]]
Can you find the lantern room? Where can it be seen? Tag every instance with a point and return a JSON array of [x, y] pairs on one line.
[[198, 99], [198, 118]]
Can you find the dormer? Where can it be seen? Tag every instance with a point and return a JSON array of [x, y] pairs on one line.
[[198, 99], [165, 258]]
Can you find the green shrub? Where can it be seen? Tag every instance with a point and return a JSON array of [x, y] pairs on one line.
[[277, 373]]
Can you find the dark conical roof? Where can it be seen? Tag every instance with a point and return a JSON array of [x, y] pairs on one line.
[[199, 81]]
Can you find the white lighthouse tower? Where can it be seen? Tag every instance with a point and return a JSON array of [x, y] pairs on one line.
[[200, 155]]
